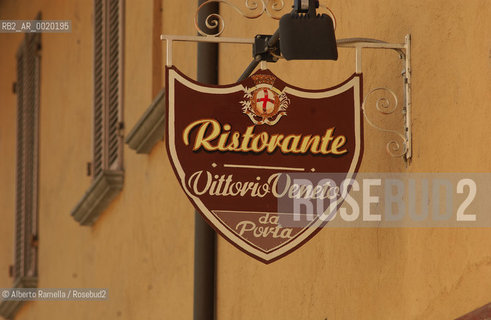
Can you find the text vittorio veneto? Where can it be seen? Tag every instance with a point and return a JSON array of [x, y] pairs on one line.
[[212, 136]]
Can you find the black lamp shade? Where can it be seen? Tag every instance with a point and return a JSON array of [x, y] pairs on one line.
[[303, 37]]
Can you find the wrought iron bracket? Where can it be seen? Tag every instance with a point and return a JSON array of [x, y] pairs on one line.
[[383, 105], [262, 51]]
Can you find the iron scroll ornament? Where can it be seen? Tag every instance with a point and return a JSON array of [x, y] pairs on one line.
[[253, 10], [384, 106]]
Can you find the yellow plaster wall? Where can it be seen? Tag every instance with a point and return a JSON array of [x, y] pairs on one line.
[[384, 273], [141, 248]]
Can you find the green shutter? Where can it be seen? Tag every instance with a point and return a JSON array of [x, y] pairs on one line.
[[107, 85], [99, 81], [26, 224]]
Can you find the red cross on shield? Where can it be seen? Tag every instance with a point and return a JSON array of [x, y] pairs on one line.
[[265, 100]]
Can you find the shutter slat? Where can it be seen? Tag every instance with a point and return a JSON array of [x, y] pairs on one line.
[[35, 175], [20, 194]]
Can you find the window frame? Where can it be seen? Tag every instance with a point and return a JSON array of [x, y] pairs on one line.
[[26, 212], [26, 238], [107, 175]]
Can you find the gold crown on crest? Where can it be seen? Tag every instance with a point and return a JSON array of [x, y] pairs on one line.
[[263, 78]]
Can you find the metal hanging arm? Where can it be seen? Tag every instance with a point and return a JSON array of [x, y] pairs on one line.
[[403, 49], [362, 43]]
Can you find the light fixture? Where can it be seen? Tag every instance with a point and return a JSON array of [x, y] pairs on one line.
[[305, 35]]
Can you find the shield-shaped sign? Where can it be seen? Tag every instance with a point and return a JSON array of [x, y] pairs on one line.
[[233, 147]]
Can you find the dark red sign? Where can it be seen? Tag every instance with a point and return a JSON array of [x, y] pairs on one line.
[[232, 147]]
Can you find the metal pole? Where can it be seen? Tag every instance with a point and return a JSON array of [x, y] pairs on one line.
[[408, 98], [247, 72], [204, 235]]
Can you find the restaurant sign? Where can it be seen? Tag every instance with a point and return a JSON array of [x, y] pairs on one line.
[[235, 148]]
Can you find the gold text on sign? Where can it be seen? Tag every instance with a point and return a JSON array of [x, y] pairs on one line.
[[211, 136]]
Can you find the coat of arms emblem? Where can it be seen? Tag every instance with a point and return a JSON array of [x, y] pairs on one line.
[[264, 104]]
